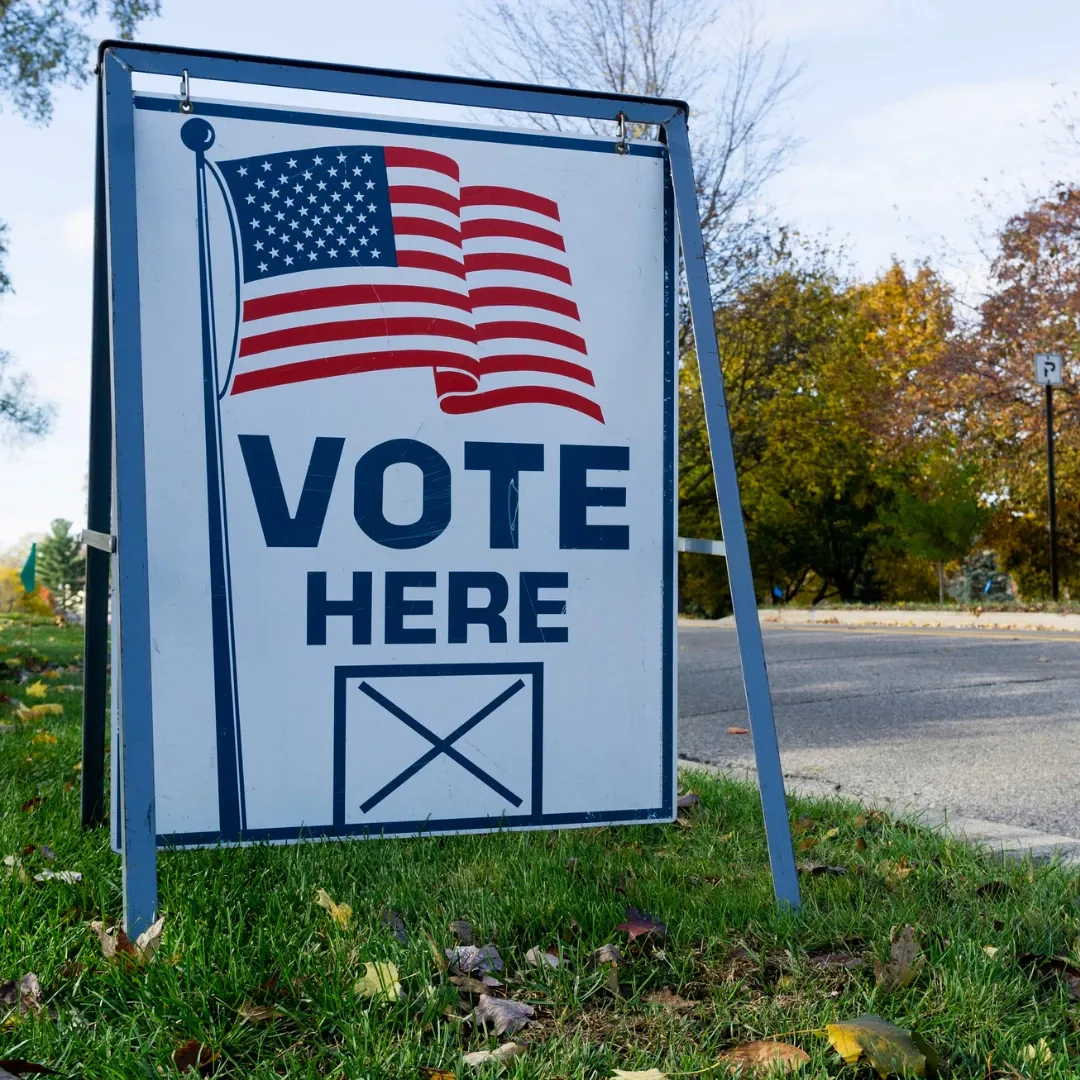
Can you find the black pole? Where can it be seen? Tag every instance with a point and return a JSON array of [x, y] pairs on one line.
[[1050, 487], [98, 518]]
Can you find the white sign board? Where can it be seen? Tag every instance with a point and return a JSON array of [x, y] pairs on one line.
[[408, 418], [1048, 369]]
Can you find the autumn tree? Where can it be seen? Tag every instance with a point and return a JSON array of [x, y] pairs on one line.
[[61, 563], [45, 44]]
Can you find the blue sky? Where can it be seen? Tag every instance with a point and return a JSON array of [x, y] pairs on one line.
[[906, 110]]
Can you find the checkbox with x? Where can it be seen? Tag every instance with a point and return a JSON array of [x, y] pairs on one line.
[[419, 743]]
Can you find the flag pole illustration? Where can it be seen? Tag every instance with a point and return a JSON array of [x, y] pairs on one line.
[[198, 136], [28, 574], [355, 258]]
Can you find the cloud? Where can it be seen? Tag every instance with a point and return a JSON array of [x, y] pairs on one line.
[[78, 231], [787, 19]]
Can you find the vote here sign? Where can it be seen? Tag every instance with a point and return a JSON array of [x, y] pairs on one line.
[[408, 414]]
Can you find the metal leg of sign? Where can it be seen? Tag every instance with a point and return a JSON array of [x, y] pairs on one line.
[[744, 599], [98, 518], [136, 727]]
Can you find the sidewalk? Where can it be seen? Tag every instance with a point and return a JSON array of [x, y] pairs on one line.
[[931, 619]]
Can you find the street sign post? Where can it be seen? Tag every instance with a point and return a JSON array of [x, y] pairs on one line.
[[394, 426], [1049, 371]]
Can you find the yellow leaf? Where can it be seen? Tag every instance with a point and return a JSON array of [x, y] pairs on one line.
[[1038, 1053], [648, 1074], [37, 690], [340, 913], [380, 980], [831, 833], [991, 950], [36, 712], [44, 737], [891, 1050], [54, 674]]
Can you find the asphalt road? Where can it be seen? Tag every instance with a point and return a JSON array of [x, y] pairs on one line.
[[983, 724]]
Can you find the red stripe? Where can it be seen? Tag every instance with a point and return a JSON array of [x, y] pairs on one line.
[[414, 226], [521, 395], [346, 330], [455, 382], [424, 196], [505, 196], [470, 230], [504, 260], [346, 295], [510, 297], [406, 157], [428, 260], [354, 364], [526, 331], [489, 365]]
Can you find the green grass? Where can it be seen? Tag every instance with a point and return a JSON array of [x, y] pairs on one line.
[[242, 926]]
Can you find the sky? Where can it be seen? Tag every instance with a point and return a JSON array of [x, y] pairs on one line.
[[906, 115]]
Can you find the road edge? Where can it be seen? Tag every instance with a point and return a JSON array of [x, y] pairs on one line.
[[1007, 841]]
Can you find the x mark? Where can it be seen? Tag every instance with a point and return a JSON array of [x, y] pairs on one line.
[[440, 745]]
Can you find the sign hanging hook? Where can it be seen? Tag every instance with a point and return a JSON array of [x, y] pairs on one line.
[[622, 147], [185, 93]]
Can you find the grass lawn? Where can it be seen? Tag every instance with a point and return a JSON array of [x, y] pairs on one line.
[[242, 929]]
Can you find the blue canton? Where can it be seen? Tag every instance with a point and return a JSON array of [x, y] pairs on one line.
[[312, 210]]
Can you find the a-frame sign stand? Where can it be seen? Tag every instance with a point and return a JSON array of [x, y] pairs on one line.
[[116, 389]]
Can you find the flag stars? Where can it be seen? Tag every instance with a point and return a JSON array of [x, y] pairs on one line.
[[263, 267], [271, 230], [341, 240], [372, 207], [283, 179], [250, 199], [329, 230], [322, 185], [332, 171], [354, 252], [336, 196], [312, 198], [303, 211], [279, 216], [294, 224], [325, 208], [307, 175], [274, 193], [332, 253], [375, 253], [370, 184], [288, 202], [298, 188], [254, 223], [345, 185], [260, 184], [341, 158], [350, 229], [338, 219], [363, 241], [259, 245], [288, 260], [308, 233], [374, 230], [320, 242], [356, 171], [366, 159], [274, 252], [243, 170], [312, 256], [291, 163], [299, 246], [318, 160], [266, 166]]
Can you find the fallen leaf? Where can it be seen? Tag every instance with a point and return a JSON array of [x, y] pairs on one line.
[[831, 833], [1038, 1053], [737, 731], [380, 980], [894, 872], [340, 913], [44, 738], [905, 961], [147, 942], [648, 1074], [250, 1013], [462, 930], [815, 869], [764, 1057], [46, 853], [437, 1074], [194, 1055], [24, 1068], [474, 959], [802, 825], [860, 844], [15, 867], [638, 924], [395, 924], [504, 1015], [468, 985], [991, 950], [836, 961], [807, 843], [505, 1052], [606, 954], [688, 800], [538, 957], [68, 877], [889, 1049], [32, 804], [669, 999], [876, 817], [37, 690], [115, 942], [26, 993]]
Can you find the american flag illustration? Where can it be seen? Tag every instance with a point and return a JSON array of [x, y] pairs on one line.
[[371, 258]]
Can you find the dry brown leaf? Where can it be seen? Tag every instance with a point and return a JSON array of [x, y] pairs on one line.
[[15, 867], [889, 1049], [807, 843], [688, 800], [437, 1074], [393, 922], [638, 924], [905, 961], [340, 913], [194, 1055], [737, 731], [26, 994], [506, 1052], [836, 961], [468, 985], [474, 959], [802, 825], [606, 954], [669, 999], [504, 1015], [538, 957], [250, 1013], [894, 873], [860, 844], [764, 1057]]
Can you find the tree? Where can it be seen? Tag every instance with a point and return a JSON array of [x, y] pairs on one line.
[[45, 44], [661, 48], [62, 564], [940, 516]]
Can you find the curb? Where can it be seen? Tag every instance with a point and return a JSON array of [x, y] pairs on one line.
[[1007, 841], [912, 620]]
